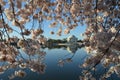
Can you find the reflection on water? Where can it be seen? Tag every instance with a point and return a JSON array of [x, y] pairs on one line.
[[56, 63], [72, 48]]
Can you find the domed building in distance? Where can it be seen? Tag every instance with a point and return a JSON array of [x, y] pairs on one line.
[[72, 39]]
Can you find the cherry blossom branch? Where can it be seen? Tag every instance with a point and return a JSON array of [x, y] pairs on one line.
[[104, 52], [3, 21], [13, 11]]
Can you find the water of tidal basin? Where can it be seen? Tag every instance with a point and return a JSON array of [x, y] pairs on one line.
[[69, 71]]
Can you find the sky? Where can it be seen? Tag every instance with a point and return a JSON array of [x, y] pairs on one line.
[[76, 32], [45, 26]]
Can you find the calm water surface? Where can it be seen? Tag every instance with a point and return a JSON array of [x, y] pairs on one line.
[[69, 70]]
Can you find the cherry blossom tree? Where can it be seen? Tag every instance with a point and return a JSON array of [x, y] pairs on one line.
[[101, 17]]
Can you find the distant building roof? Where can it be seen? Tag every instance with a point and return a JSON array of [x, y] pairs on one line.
[[70, 37]]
